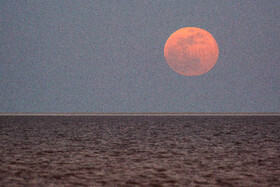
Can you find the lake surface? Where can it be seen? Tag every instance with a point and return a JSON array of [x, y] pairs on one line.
[[140, 150]]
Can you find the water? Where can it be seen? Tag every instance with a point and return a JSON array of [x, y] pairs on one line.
[[140, 151]]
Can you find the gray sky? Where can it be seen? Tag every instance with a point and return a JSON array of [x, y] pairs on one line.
[[107, 56]]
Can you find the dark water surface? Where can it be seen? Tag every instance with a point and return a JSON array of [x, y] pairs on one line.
[[140, 151]]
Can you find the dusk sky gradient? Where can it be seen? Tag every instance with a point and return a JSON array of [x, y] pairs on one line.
[[107, 57]]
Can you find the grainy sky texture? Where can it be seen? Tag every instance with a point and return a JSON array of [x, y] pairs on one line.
[[107, 56]]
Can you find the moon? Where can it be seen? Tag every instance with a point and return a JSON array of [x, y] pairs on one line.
[[191, 51]]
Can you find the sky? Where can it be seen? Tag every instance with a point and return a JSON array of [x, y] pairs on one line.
[[108, 57]]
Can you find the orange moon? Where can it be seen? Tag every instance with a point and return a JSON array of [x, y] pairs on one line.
[[191, 51]]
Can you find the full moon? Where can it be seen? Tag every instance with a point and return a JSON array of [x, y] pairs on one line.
[[191, 51]]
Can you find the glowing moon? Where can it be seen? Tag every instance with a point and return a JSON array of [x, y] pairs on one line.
[[191, 51]]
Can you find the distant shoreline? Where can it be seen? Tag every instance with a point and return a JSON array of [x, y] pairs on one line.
[[139, 114]]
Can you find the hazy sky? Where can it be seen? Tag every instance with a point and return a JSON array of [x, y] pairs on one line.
[[107, 56]]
